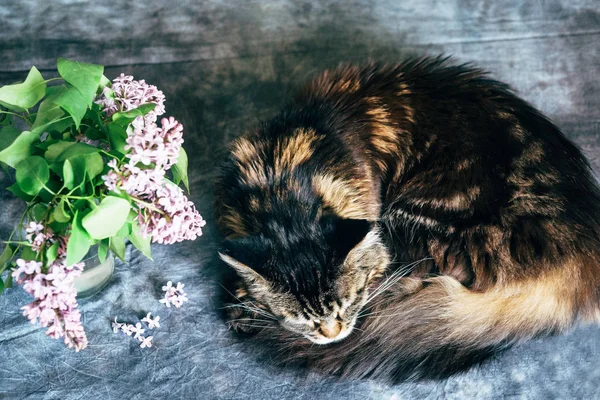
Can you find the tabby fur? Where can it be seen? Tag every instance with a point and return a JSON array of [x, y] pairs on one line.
[[455, 219]]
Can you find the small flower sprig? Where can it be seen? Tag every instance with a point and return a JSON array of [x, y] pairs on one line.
[[137, 330], [174, 295], [95, 168]]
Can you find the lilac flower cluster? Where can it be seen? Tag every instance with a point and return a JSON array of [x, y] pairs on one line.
[[34, 233], [174, 295], [55, 303], [136, 330], [164, 212], [127, 94]]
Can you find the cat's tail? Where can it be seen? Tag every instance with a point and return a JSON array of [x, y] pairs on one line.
[[436, 327]]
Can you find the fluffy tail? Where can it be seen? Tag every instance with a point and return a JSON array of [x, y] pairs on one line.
[[436, 327]]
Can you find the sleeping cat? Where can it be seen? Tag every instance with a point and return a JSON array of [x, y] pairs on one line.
[[406, 221]]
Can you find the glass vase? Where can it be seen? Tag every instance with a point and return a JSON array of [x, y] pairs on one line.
[[95, 275]]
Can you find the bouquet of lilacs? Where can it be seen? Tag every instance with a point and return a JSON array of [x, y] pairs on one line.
[[95, 167]]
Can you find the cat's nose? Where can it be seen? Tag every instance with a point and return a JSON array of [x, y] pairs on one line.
[[330, 328]]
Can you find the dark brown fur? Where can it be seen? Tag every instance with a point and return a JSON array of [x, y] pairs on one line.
[[448, 167]]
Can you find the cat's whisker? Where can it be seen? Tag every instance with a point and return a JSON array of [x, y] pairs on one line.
[[254, 310], [256, 326], [393, 279]]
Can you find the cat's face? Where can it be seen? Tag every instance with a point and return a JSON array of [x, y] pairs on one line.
[[321, 291], [337, 313]]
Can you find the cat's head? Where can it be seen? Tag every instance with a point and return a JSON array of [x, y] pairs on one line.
[[314, 281]]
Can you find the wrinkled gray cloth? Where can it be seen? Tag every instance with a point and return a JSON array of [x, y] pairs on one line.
[[223, 66]]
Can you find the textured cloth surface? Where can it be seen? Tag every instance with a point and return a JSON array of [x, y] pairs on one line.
[[224, 66]]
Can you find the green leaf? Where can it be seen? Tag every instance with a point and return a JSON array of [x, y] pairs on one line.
[[76, 149], [16, 190], [124, 118], [141, 243], [21, 96], [117, 135], [5, 257], [70, 99], [5, 119], [94, 114], [94, 134], [103, 249], [8, 282], [54, 185], [48, 112], [104, 82], [117, 246], [39, 211], [59, 127], [179, 170], [2, 285], [84, 77], [32, 174], [125, 230], [86, 166], [8, 135], [27, 254], [68, 175], [106, 219], [51, 253], [79, 241], [59, 213], [21, 148]]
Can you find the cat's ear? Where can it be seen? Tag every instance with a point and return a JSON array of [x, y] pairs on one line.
[[239, 254], [249, 275], [342, 235]]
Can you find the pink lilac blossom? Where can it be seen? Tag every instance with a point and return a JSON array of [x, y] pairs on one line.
[[152, 323], [136, 330], [127, 94], [164, 212], [127, 329], [151, 144], [174, 295], [36, 236], [146, 342], [55, 304], [173, 218], [116, 326]]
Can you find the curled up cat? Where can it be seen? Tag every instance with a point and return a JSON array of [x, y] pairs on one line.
[[407, 221]]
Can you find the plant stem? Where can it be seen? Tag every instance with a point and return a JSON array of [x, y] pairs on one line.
[[16, 242], [16, 115], [148, 205]]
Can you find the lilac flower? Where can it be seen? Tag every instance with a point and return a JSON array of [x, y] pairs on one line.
[[176, 220], [55, 304], [169, 288], [174, 295], [138, 331], [36, 236], [151, 144], [146, 342], [164, 212], [26, 268], [33, 229], [152, 323], [127, 329], [116, 326], [127, 94]]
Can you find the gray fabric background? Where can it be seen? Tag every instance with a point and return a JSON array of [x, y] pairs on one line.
[[223, 66]]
